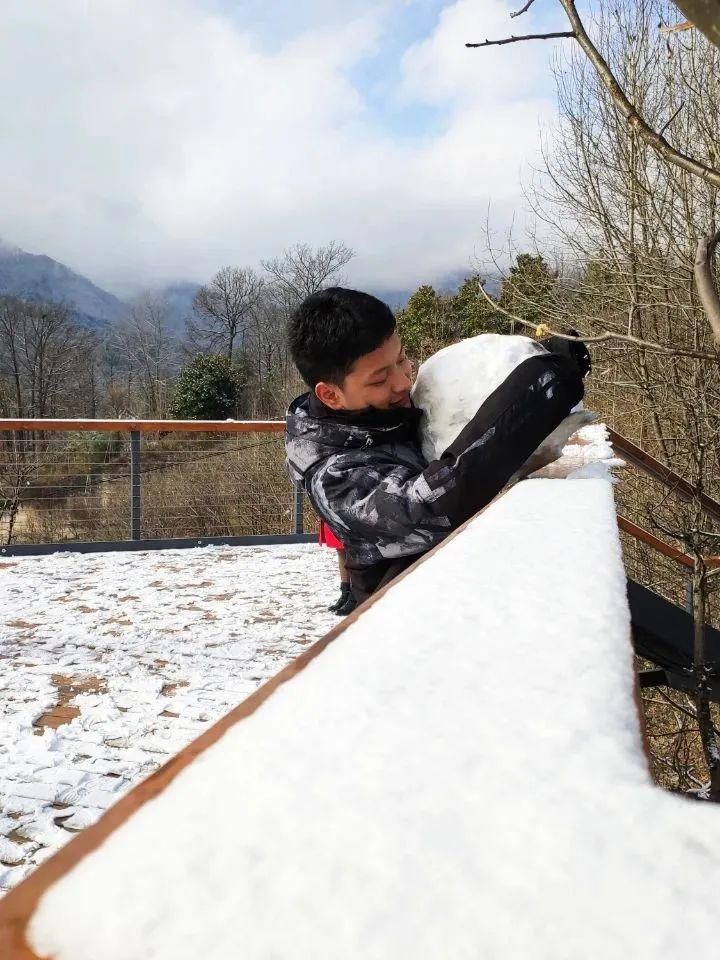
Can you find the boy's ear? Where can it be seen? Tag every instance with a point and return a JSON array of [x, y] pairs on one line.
[[329, 394]]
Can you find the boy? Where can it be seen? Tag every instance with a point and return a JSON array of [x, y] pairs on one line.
[[352, 440]]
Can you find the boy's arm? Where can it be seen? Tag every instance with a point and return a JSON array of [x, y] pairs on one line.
[[403, 512]]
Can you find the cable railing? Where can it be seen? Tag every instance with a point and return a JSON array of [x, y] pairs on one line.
[[124, 484], [109, 484]]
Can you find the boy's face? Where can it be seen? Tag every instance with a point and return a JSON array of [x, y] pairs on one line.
[[379, 379]]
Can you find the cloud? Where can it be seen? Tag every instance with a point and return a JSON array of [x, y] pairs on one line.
[[144, 142]]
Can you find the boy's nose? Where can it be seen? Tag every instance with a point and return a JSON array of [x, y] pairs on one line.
[[402, 382]]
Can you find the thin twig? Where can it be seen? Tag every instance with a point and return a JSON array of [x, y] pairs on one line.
[[664, 128], [522, 10], [527, 36]]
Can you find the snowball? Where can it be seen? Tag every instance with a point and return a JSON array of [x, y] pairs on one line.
[[455, 381]]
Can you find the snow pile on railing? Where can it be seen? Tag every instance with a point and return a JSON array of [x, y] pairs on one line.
[[458, 774]]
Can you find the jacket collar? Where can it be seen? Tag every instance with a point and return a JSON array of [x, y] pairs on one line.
[[368, 419]]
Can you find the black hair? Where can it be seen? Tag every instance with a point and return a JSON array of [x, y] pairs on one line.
[[332, 329]]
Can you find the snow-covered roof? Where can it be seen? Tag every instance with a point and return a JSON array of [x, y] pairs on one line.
[[458, 774]]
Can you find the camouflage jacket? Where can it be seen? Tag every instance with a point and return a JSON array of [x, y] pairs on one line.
[[365, 474]]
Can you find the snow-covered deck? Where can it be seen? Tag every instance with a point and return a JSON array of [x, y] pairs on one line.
[[459, 773], [111, 663]]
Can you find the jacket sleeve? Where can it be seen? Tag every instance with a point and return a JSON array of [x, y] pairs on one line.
[[402, 511]]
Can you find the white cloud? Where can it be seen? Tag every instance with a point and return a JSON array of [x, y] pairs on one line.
[[144, 142]]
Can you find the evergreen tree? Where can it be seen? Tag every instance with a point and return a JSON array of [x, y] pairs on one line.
[[208, 388], [471, 314], [424, 324], [530, 284]]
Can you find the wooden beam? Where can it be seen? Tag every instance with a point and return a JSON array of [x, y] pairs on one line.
[[640, 533], [655, 542]]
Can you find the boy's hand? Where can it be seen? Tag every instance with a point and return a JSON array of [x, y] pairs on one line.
[[573, 349]]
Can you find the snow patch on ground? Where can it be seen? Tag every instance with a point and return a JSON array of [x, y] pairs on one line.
[[164, 643]]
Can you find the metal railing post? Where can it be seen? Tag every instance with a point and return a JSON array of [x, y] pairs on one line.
[[298, 509], [135, 485]]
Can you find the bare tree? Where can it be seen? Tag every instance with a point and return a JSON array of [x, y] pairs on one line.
[[16, 471], [641, 129], [150, 352], [42, 355], [223, 309], [303, 270]]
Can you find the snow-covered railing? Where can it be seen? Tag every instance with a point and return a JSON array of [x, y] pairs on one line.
[[455, 771], [90, 485]]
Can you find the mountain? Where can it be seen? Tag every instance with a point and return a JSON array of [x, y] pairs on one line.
[[178, 299], [34, 277], [31, 276]]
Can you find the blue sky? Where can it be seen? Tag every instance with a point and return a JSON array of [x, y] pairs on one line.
[[182, 135]]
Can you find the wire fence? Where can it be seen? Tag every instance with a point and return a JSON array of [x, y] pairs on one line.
[[73, 482]]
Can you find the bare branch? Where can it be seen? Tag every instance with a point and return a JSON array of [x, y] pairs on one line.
[[633, 118], [522, 10], [608, 335], [704, 281], [527, 36]]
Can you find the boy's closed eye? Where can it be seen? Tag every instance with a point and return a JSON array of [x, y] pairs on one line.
[[381, 378]]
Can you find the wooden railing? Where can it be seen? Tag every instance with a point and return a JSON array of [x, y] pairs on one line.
[[648, 465], [654, 468], [61, 498], [144, 426]]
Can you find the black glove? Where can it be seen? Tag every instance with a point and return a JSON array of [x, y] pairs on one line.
[[575, 350]]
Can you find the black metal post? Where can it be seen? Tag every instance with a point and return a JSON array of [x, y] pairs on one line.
[[298, 509], [135, 485]]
